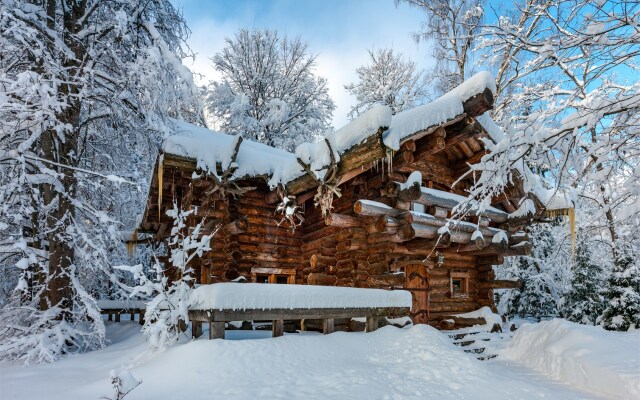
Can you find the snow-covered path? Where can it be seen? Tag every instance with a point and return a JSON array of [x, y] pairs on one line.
[[391, 363]]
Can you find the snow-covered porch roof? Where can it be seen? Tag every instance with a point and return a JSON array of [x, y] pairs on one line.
[[257, 296], [224, 302]]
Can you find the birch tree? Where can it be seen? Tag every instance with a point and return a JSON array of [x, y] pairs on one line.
[[569, 97], [573, 107]]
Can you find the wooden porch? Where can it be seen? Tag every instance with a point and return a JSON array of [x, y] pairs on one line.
[[218, 318]]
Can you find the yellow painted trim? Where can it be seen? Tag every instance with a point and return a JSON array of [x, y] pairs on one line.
[[571, 213]]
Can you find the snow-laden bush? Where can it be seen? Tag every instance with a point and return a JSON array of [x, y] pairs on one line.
[[123, 383], [168, 310]]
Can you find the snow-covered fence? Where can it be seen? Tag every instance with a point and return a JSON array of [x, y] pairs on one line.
[[224, 302]]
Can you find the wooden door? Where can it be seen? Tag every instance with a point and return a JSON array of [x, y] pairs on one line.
[[417, 281]]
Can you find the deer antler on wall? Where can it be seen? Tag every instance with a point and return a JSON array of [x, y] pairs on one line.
[[327, 186], [289, 209]]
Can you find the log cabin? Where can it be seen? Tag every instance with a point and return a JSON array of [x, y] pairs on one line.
[[368, 206]]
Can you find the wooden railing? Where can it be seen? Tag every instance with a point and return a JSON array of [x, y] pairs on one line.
[[217, 318]]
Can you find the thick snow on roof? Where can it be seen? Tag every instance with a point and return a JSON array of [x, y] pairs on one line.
[[360, 128], [255, 159], [457, 198], [553, 199], [437, 112], [317, 154], [242, 296], [208, 147]]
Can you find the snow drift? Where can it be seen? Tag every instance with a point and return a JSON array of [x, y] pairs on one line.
[[390, 363], [584, 356]]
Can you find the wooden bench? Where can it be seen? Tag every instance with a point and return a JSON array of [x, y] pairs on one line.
[[217, 318], [114, 308]]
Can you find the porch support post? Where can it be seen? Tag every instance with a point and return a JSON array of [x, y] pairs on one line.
[[371, 324], [196, 329], [277, 327], [328, 326], [216, 330]]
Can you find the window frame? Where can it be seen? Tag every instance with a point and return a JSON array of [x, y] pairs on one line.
[[463, 277], [273, 274]]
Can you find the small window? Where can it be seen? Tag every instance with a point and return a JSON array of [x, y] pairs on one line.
[[459, 284], [274, 275]]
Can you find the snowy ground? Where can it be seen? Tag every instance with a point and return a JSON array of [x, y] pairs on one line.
[[585, 356], [391, 363]]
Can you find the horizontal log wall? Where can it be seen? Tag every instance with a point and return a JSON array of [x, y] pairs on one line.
[[368, 247], [343, 249], [361, 254], [326, 249], [441, 301], [263, 244]]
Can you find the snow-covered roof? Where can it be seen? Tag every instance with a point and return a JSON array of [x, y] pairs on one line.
[[244, 296], [209, 148], [437, 112], [317, 154]]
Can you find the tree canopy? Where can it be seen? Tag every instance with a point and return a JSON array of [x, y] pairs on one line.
[[269, 91], [388, 79]]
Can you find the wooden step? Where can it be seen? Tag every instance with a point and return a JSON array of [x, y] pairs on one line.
[[458, 336]]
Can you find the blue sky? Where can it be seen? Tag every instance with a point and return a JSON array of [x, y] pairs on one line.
[[339, 32]]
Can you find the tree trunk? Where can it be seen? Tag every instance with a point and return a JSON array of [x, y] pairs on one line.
[[58, 291], [63, 151]]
